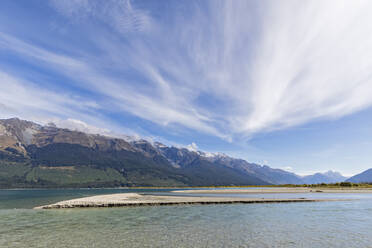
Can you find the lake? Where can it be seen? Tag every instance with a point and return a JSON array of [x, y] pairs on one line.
[[311, 224]]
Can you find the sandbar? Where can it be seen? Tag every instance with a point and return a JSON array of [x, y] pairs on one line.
[[134, 199]]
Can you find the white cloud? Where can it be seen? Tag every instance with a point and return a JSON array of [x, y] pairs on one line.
[[229, 69], [161, 108], [25, 99], [78, 125], [192, 147], [311, 63], [288, 168], [21, 96]]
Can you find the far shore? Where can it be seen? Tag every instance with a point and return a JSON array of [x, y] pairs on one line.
[[272, 190], [314, 187]]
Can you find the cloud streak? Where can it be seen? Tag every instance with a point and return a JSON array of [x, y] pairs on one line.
[[311, 64], [120, 15], [224, 68]]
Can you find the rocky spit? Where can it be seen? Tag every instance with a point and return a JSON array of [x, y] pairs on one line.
[[134, 199]]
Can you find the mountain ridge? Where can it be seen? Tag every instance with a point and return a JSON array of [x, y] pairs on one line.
[[48, 152], [363, 177]]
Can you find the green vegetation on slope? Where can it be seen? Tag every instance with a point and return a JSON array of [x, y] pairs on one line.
[[71, 175], [66, 165]]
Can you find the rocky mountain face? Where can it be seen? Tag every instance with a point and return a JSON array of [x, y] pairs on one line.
[[19, 135], [15, 135], [364, 177], [32, 155], [327, 177]]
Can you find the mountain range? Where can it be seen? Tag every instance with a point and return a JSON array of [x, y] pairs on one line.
[[32, 155]]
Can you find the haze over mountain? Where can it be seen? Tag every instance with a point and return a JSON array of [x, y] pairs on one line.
[[327, 177], [32, 155]]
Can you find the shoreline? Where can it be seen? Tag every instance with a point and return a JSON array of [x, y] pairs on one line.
[[253, 187], [274, 190]]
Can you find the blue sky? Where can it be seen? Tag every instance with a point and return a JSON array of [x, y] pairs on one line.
[[283, 83]]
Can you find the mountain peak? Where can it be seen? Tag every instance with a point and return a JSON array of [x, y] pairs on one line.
[[326, 177], [332, 173]]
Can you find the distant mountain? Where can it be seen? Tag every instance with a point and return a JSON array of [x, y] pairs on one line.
[[327, 177], [266, 173], [364, 177]]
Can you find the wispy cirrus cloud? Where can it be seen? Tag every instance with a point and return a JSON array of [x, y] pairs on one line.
[[225, 68], [30, 96], [25, 99], [120, 15], [162, 108], [312, 62]]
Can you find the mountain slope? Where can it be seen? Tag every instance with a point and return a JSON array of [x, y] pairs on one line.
[[273, 176], [198, 165], [364, 177]]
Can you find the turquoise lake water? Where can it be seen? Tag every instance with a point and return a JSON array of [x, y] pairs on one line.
[[313, 224]]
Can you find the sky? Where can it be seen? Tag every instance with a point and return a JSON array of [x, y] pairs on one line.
[[283, 83]]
